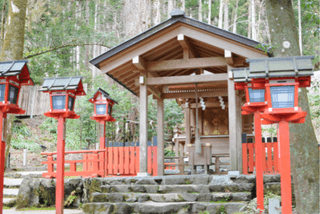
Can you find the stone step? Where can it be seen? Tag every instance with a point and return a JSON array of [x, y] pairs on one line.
[[163, 208], [9, 202], [10, 193], [12, 183], [24, 174], [170, 197], [246, 187]]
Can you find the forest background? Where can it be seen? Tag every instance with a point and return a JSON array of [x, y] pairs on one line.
[[62, 36]]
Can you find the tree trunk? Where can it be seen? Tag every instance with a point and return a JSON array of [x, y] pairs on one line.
[[303, 142], [209, 12], [253, 22], [183, 5], [86, 54], [234, 29], [226, 16], [170, 8], [249, 21], [12, 49], [200, 11], [157, 7], [300, 28], [3, 22], [78, 17], [220, 14]]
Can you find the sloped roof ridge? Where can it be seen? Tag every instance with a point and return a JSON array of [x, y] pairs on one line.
[[174, 19]]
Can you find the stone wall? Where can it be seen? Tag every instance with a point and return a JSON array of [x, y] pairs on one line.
[[41, 192]]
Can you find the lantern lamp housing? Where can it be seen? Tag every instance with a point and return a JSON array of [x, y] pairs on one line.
[[255, 97], [13, 75], [102, 106], [282, 78], [63, 92]]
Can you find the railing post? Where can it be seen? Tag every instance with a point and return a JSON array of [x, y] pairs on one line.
[[244, 153], [85, 162], [155, 156], [275, 155], [95, 163], [149, 159], [73, 167], [25, 157], [50, 164]]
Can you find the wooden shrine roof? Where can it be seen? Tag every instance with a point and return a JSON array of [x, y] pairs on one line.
[[64, 83], [295, 66], [159, 47], [104, 94]]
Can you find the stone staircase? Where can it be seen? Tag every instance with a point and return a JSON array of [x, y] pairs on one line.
[[12, 182], [10, 191], [168, 194]]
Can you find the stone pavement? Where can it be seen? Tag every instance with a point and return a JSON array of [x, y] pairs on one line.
[[66, 211]]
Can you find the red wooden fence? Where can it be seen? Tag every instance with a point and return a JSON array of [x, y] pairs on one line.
[[115, 160], [270, 154]]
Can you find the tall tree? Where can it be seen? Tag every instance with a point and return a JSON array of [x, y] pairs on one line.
[[226, 15], [234, 28], [200, 11], [170, 8], [12, 49], [253, 22], [300, 28], [303, 142], [209, 12], [220, 14]]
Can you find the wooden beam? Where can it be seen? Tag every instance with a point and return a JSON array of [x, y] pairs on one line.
[[212, 78], [223, 43], [239, 61], [187, 49], [208, 105], [144, 46], [186, 64], [228, 56], [215, 93], [154, 91], [139, 63]]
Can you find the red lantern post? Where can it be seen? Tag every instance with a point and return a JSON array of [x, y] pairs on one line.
[[256, 103], [283, 77], [102, 112], [63, 92], [13, 75]]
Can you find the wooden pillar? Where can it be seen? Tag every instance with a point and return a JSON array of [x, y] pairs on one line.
[[160, 136], [188, 131], [232, 113], [143, 127], [176, 151], [239, 131]]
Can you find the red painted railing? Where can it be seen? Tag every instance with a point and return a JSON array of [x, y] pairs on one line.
[[270, 154], [96, 161], [115, 160]]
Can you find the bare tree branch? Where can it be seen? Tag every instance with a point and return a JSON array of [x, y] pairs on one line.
[[62, 46]]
